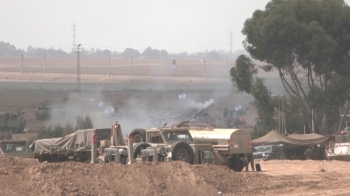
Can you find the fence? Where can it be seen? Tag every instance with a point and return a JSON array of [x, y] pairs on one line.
[[118, 66]]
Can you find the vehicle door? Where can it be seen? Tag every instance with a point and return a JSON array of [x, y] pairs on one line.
[[204, 155]]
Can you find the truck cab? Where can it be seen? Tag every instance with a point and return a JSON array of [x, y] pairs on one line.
[[16, 148]]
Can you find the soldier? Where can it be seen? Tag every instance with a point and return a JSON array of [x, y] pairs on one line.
[[309, 153], [250, 159]]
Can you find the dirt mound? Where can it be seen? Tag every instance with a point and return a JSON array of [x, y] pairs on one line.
[[71, 178], [283, 177]]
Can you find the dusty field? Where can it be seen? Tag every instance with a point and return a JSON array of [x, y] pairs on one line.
[[29, 177], [139, 94], [122, 66]]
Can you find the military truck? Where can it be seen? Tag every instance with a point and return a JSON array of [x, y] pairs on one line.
[[163, 144], [43, 112], [17, 148], [11, 122], [233, 156], [176, 143]]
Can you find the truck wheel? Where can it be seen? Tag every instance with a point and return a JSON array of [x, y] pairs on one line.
[[182, 151], [236, 164], [139, 147], [138, 135]]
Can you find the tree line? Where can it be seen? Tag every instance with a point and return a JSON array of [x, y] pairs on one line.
[[6, 49]]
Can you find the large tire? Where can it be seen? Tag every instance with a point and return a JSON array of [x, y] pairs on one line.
[[182, 151], [139, 147], [236, 164], [138, 135]]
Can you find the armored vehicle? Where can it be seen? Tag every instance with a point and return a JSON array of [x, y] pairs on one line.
[[162, 144], [17, 148], [11, 122], [230, 146], [43, 112], [177, 143]]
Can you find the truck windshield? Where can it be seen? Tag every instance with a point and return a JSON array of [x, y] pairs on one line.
[[14, 147], [263, 149], [177, 136]]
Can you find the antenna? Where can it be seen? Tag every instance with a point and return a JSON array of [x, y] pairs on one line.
[[231, 42], [78, 66], [73, 36]]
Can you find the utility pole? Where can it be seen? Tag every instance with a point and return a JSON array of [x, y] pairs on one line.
[[312, 121], [231, 43], [44, 63], [227, 63], [109, 65], [204, 67], [73, 36], [22, 64], [279, 116], [78, 66]]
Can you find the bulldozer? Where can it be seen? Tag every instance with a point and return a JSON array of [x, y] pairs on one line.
[[11, 122]]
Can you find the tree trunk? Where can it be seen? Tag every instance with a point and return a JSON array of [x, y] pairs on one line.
[[324, 127], [344, 115]]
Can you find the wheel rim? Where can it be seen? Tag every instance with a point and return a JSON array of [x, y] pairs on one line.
[[137, 139], [182, 154]]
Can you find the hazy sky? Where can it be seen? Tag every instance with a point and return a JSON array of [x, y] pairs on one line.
[[174, 25]]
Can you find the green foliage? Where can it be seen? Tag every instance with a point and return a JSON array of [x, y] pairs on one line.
[[82, 123], [68, 129], [45, 133], [242, 74], [59, 131], [308, 43], [265, 108]]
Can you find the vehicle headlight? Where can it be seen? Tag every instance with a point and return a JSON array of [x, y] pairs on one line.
[[162, 151], [170, 154], [263, 155]]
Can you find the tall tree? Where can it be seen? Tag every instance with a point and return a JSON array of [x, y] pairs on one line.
[[243, 77], [308, 43]]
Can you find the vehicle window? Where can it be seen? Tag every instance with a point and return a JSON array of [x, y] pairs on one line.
[[263, 149], [207, 155], [14, 148], [156, 139], [177, 136]]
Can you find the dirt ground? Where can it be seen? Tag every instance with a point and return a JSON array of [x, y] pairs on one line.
[[29, 177]]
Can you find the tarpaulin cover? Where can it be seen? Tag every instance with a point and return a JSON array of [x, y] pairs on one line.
[[309, 136], [79, 140], [274, 137]]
